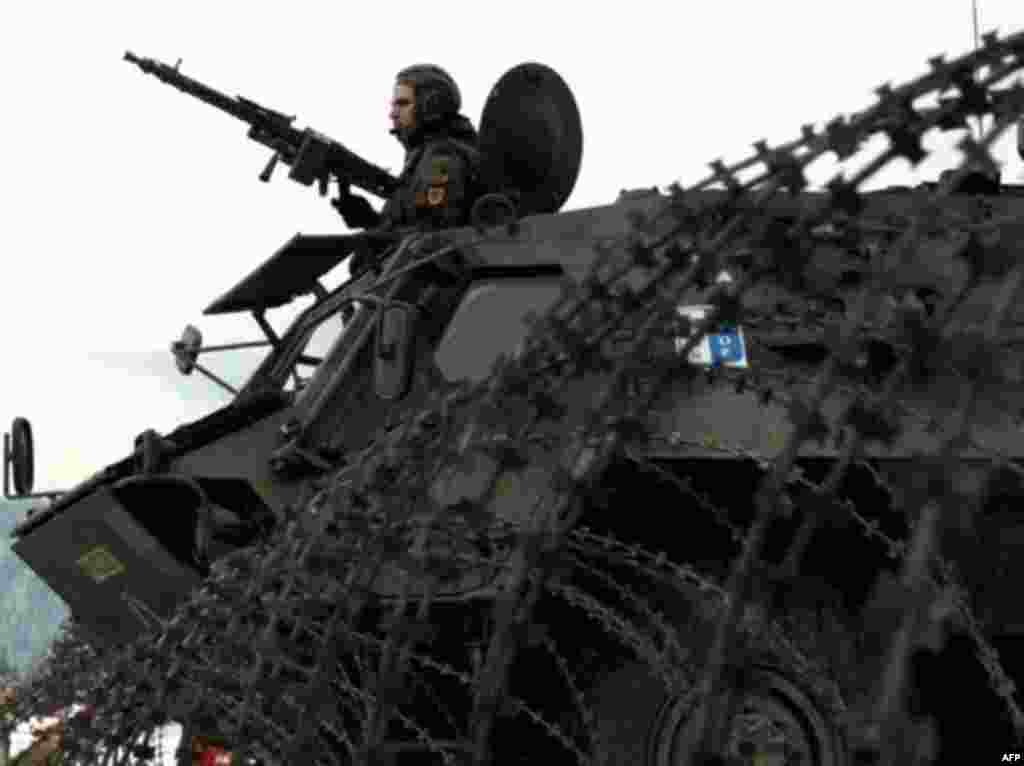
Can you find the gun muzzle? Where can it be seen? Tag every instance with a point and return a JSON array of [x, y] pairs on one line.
[[146, 65]]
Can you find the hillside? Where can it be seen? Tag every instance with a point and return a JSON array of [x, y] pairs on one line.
[[30, 613]]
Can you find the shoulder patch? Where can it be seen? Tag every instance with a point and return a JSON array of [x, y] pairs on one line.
[[440, 166], [439, 170], [436, 196]]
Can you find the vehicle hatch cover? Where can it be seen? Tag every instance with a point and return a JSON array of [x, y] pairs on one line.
[[531, 138], [290, 272]]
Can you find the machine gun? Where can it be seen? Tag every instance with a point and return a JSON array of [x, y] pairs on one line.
[[311, 155]]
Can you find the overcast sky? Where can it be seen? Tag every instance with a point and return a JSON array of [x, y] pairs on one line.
[[127, 207]]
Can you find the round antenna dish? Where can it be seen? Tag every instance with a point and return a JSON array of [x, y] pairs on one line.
[[186, 350], [22, 456], [531, 139]]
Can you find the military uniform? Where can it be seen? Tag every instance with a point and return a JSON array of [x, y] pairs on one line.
[[440, 179], [437, 185]]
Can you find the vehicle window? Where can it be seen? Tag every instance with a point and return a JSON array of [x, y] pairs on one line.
[[318, 345], [491, 321]]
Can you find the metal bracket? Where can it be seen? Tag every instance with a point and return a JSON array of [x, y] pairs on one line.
[[7, 478], [291, 457], [260, 315], [187, 350]]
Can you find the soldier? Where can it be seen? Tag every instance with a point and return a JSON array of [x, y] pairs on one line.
[[439, 181]]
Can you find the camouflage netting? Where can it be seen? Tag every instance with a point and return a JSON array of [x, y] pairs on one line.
[[285, 653]]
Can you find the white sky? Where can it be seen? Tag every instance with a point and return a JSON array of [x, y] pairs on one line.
[[127, 207]]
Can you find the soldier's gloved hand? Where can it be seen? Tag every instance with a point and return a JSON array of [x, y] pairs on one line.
[[356, 211]]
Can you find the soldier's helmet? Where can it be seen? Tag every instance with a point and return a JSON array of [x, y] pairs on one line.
[[437, 96]]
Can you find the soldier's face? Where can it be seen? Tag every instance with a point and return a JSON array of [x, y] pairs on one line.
[[403, 106]]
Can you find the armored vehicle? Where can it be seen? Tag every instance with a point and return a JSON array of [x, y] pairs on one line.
[[752, 329]]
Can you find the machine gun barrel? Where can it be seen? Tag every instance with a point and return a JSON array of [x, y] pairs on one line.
[[236, 107], [313, 156]]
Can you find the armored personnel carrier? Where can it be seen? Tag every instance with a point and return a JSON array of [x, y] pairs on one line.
[[694, 473]]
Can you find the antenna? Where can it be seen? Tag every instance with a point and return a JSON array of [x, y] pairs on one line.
[[977, 45], [974, 9]]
